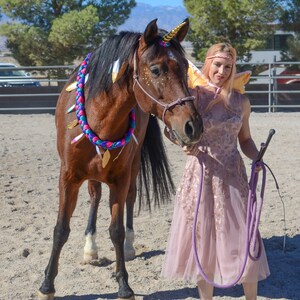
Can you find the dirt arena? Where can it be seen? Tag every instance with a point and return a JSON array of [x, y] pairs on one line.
[[29, 202]]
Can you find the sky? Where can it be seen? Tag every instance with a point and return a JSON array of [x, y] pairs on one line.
[[162, 2]]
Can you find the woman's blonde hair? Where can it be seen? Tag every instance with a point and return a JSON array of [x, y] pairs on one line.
[[224, 48]]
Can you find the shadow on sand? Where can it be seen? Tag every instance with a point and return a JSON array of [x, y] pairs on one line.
[[282, 283]]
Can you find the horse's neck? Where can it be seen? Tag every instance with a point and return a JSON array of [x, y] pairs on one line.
[[108, 115]]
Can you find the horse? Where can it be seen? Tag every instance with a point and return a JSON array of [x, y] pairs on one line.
[[108, 132]]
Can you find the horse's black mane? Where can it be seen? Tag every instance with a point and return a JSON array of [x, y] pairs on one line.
[[120, 46], [117, 47]]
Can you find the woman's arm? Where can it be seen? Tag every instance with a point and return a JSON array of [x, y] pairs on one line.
[[246, 142]]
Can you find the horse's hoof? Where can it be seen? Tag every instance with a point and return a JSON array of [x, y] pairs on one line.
[[131, 298], [125, 292], [42, 296], [129, 254], [89, 257]]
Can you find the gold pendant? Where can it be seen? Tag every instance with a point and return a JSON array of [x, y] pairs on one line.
[[71, 86], [72, 124], [105, 158]]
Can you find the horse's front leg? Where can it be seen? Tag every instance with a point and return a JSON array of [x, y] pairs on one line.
[[90, 248], [68, 190], [118, 194]]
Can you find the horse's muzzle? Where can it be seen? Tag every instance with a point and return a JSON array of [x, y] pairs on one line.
[[191, 132]]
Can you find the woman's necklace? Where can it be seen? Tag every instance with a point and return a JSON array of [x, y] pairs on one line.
[[218, 89]]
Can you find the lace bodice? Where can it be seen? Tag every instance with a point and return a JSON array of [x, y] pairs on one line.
[[221, 128]]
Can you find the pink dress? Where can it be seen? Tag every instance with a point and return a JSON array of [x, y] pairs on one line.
[[221, 227]]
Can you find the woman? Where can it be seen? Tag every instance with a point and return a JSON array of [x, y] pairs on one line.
[[221, 226]]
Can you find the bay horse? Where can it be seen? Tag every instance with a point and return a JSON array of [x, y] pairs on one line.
[[121, 107]]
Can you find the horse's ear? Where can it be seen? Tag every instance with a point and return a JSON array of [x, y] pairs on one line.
[[183, 30], [150, 32]]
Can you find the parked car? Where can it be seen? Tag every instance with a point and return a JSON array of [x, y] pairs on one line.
[[287, 79], [9, 77], [264, 77], [284, 76]]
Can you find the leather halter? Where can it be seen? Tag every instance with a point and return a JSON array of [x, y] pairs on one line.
[[166, 106]]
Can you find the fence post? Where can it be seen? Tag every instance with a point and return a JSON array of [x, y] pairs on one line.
[[275, 88], [270, 89]]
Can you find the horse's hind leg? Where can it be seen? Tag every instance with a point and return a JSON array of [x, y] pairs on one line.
[[90, 248], [129, 251], [67, 202]]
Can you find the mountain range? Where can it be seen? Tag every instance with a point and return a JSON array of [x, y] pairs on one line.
[[168, 17]]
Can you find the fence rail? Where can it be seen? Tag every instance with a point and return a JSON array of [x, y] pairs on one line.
[[274, 89]]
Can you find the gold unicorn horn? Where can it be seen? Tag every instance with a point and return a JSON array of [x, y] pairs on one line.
[[167, 37]]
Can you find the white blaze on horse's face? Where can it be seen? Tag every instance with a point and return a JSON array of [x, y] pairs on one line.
[[171, 55]]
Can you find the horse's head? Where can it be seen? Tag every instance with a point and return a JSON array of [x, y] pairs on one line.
[[160, 74]]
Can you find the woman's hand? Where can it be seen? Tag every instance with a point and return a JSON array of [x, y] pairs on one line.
[[191, 150], [258, 166]]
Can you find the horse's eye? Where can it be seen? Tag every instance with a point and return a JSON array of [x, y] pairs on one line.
[[155, 70]]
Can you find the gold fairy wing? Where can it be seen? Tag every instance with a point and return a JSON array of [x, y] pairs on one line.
[[240, 80], [195, 76]]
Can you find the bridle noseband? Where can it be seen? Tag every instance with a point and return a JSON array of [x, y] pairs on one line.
[[166, 106]]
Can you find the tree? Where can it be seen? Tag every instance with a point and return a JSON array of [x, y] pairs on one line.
[[290, 15], [245, 24], [56, 32], [290, 21]]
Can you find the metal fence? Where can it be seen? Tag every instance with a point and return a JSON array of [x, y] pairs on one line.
[[273, 89], [277, 88], [18, 95]]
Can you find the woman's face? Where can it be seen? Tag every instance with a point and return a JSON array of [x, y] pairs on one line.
[[220, 70]]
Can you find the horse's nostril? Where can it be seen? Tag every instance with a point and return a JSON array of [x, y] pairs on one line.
[[189, 129]]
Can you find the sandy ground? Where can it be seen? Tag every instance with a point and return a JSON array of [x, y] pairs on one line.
[[28, 209]]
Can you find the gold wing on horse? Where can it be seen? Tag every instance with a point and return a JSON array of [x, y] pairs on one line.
[[116, 74]]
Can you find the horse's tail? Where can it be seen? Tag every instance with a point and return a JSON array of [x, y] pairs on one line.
[[155, 171]]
